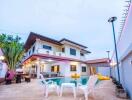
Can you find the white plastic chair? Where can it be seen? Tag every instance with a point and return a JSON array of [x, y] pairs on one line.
[[68, 85], [49, 86], [89, 87]]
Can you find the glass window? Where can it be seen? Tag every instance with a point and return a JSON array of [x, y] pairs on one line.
[[72, 51], [73, 68], [29, 52], [83, 69], [55, 68], [33, 48], [52, 68], [47, 47], [63, 49]]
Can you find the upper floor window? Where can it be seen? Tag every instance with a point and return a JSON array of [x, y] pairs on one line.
[[33, 48], [47, 47], [82, 54], [83, 68], [63, 49], [29, 52], [72, 52]]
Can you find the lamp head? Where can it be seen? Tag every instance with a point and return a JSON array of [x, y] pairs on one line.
[[108, 51], [2, 57], [112, 19]]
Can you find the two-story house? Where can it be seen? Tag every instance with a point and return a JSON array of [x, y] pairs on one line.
[[44, 54]]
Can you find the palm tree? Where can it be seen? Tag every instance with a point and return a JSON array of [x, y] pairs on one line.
[[12, 50], [2, 40]]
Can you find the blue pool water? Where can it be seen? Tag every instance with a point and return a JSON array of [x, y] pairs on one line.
[[83, 80]]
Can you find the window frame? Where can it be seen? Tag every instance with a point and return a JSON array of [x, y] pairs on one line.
[[33, 49], [29, 52], [72, 51], [47, 47], [53, 68], [73, 68], [84, 67], [63, 50]]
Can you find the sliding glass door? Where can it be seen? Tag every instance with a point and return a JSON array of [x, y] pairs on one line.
[[55, 68]]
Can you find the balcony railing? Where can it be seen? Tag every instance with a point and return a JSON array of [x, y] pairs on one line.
[[61, 54], [44, 51]]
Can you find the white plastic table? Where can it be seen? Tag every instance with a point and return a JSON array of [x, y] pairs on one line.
[[68, 85]]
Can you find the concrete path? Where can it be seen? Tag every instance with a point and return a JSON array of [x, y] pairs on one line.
[[34, 91]]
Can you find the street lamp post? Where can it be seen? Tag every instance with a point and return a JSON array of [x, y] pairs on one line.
[[108, 54], [112, 19], [109, 60]]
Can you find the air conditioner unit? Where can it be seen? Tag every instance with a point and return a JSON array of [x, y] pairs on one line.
[[47, 52]]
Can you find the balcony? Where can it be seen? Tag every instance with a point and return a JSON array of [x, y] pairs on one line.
[[60, 54], [53, 53], [44, 51], [82, 58]]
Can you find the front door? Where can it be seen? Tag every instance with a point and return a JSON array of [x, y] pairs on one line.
[[93, 70]]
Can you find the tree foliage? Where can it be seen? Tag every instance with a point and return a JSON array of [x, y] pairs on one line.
[[12, 49]]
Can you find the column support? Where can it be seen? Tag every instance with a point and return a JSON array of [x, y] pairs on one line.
[[38, 67]]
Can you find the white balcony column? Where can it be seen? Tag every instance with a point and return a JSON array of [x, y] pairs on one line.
[[1, 67], [38, 67], [37, 45]]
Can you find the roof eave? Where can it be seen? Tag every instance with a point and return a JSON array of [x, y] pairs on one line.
[[64, 39]]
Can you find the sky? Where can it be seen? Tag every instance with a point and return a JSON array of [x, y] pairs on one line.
[[82, 21]]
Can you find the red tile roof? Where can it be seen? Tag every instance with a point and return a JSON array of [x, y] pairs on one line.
[[32, 38], [64, 39], [56, 58], [95, 61]]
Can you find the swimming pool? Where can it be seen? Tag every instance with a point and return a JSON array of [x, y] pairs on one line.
[[83, 80]]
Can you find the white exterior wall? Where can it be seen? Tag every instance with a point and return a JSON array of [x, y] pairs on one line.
[[126, 73], [31, 52], [87, 70], [69, 73], [55, 48], [67, 51], [47, 67], [124, 47], [126, 37], [65, 68], [104, 71]]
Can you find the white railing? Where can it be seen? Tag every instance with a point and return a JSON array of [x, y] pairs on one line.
[[82, 58], [44, 51], [60, 54], [49, 52]]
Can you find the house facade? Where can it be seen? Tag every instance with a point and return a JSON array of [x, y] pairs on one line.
[[44, 54]]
